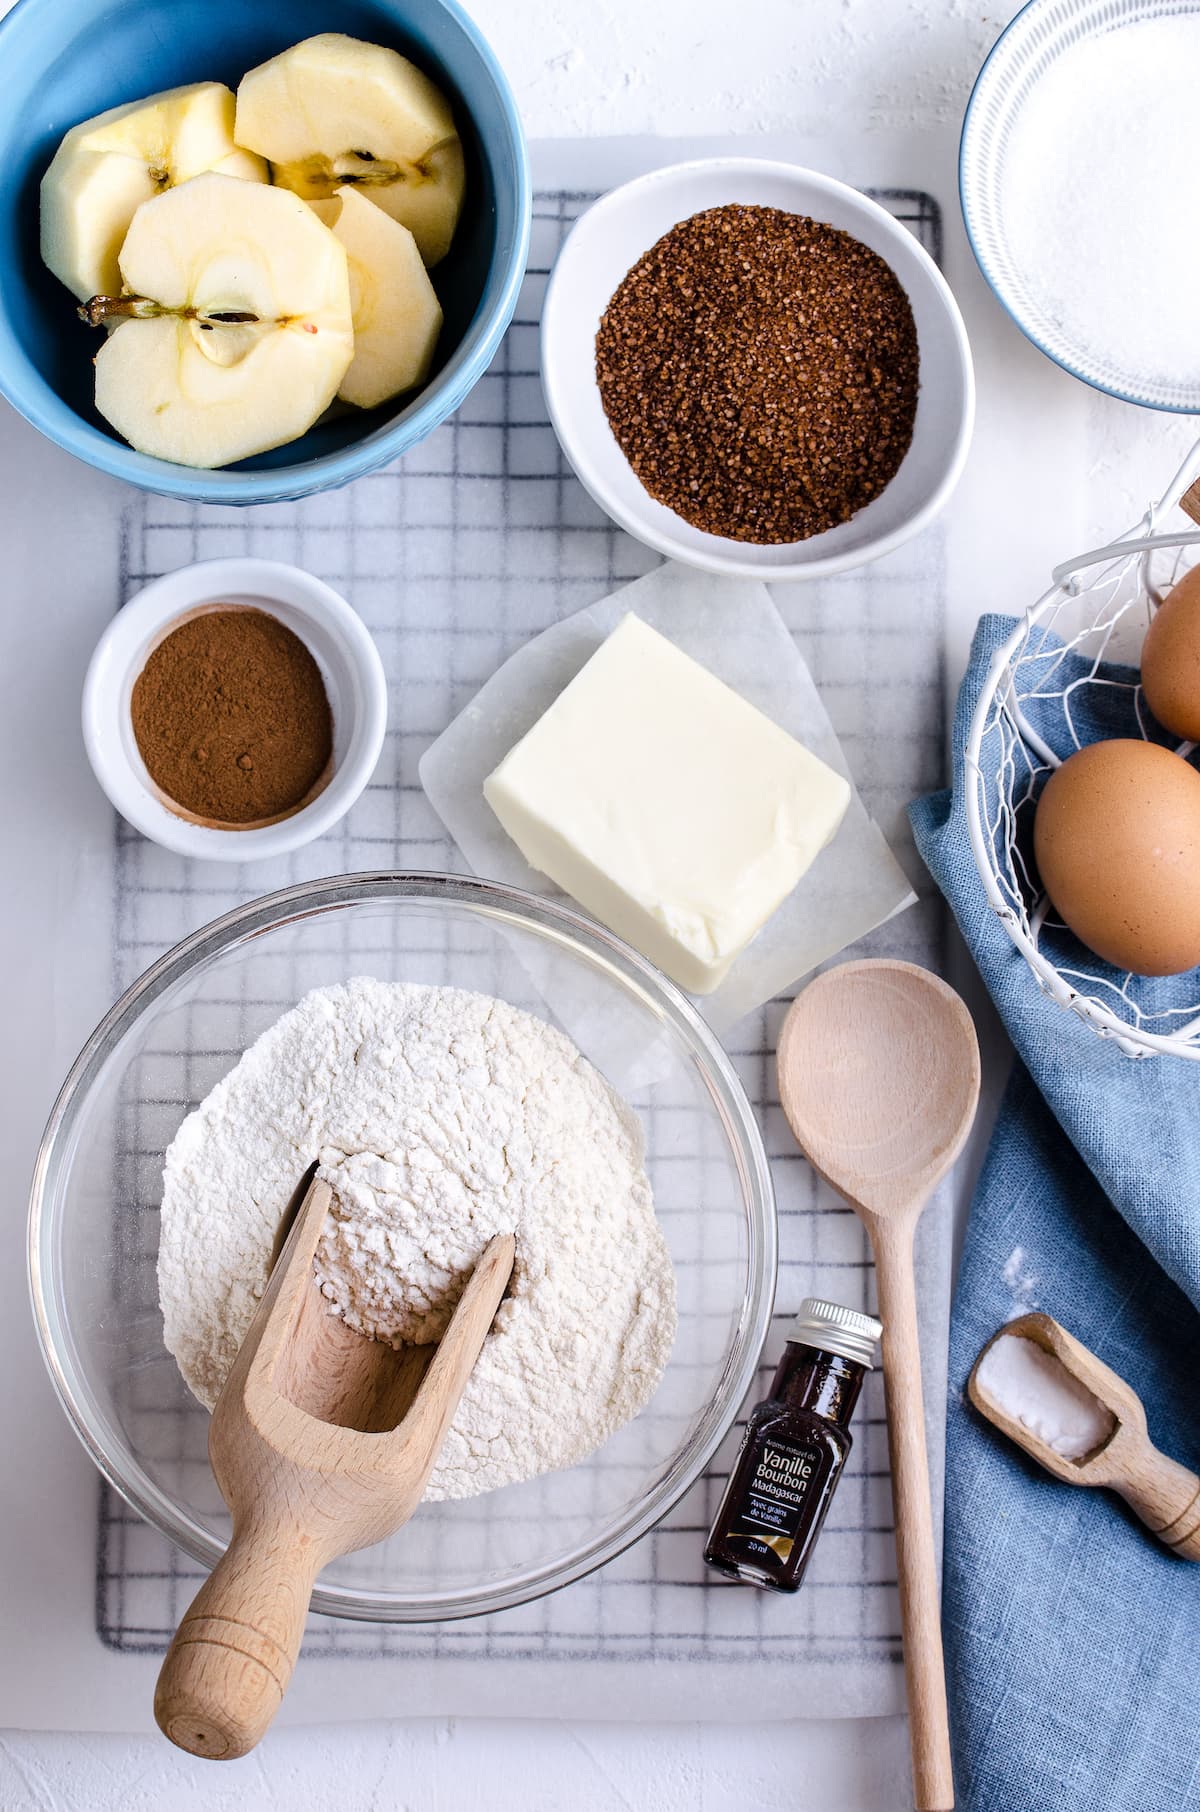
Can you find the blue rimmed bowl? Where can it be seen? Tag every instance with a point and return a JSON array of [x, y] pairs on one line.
[[1041, 34], [65, 60]]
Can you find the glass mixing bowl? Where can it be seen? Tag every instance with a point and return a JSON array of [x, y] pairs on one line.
[[93, 1235]]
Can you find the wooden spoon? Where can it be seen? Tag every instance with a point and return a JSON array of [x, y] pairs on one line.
[[322, 1442], [1163, 1493], [879, 1079]]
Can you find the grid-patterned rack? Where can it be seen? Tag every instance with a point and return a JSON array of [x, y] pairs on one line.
[[479, 539]]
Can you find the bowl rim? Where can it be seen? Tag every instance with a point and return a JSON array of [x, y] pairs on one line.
[[972, 161], [499, 903], [238, 578], [714, 559], [23, 386]]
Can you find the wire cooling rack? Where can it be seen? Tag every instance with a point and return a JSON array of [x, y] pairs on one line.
[[478, 540]]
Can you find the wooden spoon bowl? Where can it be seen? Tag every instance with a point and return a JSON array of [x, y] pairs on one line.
[[879, 1079]]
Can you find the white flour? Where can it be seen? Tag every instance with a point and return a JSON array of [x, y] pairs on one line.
[[440, 1118]]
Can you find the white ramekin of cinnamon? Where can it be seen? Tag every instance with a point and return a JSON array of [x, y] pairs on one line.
[[235, 709]]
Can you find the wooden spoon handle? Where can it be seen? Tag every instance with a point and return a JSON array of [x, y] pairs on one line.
[[226, 1672], [920, 1611], [1166, 1496]]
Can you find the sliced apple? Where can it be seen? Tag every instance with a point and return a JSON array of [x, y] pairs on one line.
[[235, 330], [105, 168], [397, 316], [431, 205], [333, 110]]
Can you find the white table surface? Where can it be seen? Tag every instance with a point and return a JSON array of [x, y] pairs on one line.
[[580, 67]]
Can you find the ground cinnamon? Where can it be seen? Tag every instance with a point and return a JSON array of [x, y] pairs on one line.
[[231, 717]]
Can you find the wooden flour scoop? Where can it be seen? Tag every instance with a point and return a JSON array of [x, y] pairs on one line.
[[1164, 1494], [322, 1442]]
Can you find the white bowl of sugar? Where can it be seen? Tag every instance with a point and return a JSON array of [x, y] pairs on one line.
[[600, 254], [1076, 173]]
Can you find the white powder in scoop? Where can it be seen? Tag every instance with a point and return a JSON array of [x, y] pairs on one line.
[[1037, 1390], [439, 1118], [1099, 196]]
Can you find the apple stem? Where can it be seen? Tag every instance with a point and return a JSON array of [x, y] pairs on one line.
[[140, 308]]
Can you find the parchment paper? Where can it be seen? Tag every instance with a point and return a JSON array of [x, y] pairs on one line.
[[731, 627]]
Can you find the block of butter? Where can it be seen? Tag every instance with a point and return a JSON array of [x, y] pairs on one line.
[[667, 805]]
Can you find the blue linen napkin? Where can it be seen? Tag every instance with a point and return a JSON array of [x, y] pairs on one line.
[[1072, 1637]]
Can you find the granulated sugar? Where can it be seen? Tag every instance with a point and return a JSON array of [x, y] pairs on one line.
[[1098, 195], [759, 371]]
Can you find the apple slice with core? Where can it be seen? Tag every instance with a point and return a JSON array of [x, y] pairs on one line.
[[235, 330], [105, 168], [430, 208], [397, 316], [333, 111]]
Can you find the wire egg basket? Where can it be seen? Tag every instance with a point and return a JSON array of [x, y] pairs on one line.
[[1068, 675]]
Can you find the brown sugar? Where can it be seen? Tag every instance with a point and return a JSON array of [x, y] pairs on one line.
[[759, 371], [231, 717]]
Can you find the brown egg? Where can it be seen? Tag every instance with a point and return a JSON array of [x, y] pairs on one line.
[[1117, 841], [1171, 659]]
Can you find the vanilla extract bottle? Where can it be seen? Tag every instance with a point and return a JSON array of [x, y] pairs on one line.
[[796, 1445]]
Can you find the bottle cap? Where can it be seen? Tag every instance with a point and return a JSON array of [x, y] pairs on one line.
[[834, 1329]]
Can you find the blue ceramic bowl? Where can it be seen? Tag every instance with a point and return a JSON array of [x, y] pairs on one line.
[[65, 60]]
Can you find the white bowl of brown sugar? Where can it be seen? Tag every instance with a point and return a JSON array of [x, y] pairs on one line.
[[756, 369], [235, 709]]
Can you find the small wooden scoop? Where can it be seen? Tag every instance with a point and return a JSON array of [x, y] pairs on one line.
[[1162, 1492], [322, 1442], [879, 1079]]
